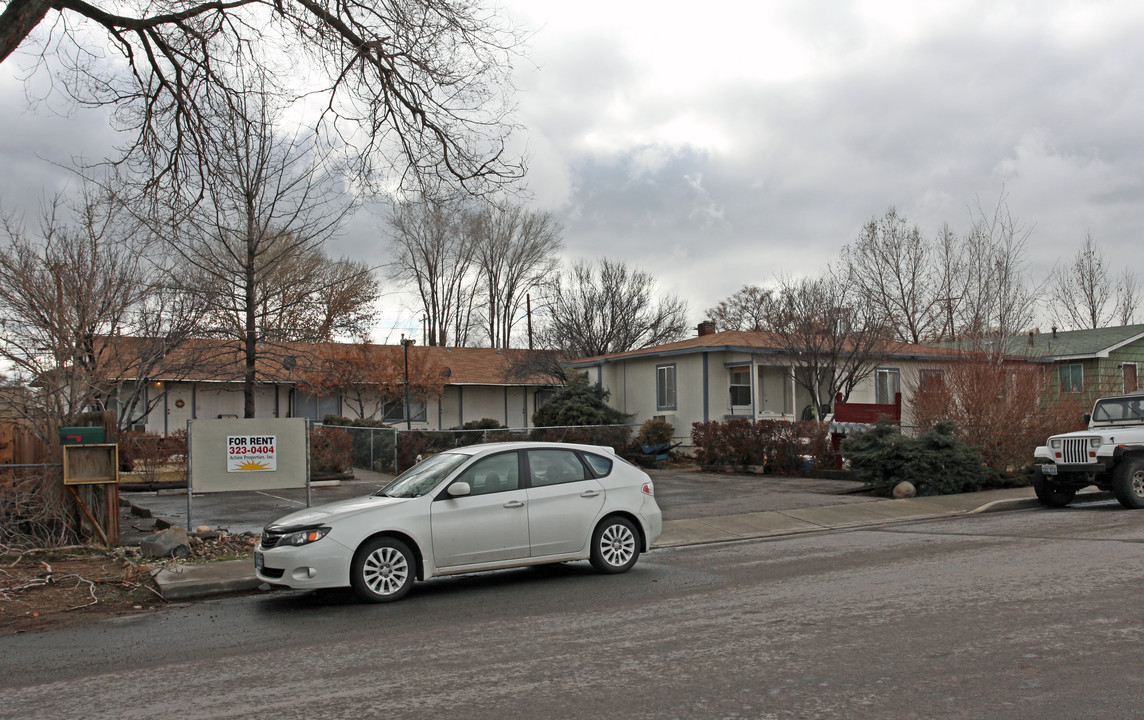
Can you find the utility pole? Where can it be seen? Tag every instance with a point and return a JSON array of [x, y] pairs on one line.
[[528, 305], [405, 343]]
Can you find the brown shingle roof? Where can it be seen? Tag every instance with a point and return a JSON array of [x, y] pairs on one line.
[[206, 360], [747, 341]]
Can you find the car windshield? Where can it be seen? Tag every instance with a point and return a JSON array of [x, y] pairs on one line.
[[1119, 410], [423, 477]]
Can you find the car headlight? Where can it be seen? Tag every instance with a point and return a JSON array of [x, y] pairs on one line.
[[1055, 443], [1094, 442], [304, 537]]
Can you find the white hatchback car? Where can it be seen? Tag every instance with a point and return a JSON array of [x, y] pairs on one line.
[[482, 507]]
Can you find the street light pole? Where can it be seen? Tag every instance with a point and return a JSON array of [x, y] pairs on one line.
[[405, 343]]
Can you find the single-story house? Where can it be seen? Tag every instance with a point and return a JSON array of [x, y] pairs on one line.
[[739, 374], [1096, 362], [200, 379]]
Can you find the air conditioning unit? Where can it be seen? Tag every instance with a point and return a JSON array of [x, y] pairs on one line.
[[670, 419]]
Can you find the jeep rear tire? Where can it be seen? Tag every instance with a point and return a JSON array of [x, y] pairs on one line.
[[1050, 492], [1128, 482]]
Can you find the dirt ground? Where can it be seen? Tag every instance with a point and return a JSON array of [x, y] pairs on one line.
[[47, 589]]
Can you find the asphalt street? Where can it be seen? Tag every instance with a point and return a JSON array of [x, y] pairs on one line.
[[1028, 614]]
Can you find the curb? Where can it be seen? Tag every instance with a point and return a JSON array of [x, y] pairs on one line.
[[1084, 496], [183, 582]]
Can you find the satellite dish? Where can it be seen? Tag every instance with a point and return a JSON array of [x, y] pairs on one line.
[[447, 372]]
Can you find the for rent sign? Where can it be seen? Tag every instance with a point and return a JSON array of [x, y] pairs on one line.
[[251, 453], [248, 454]]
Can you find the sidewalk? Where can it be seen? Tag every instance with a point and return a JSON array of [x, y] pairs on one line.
[[187, 581]]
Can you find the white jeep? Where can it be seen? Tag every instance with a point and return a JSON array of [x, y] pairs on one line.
[[1109, 454]]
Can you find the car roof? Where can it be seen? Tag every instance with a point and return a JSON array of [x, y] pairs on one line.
[[526, 445], [1133, 394]]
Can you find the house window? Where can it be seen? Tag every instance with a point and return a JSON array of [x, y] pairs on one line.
[[1072, 378], [395, 411], [665, 387], [740, 387], [930, 380], [543, 396], [887, 384], [316, 407]]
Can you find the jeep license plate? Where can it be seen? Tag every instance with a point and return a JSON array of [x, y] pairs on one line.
[[257, 561], [1048, 469]]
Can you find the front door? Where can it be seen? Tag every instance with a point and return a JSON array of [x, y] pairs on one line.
[[180, 407], [488, 525]]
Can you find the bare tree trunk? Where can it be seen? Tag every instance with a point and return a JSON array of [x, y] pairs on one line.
[[250, 308], [17, 21]]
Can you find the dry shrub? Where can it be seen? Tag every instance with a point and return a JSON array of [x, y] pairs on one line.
[[781, 446], [1001, 409], [331, 450], [34, 512], [149, 453]]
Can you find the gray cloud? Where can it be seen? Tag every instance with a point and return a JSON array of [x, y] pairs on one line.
[[734, 175]]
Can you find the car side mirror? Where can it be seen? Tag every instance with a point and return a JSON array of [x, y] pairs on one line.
[[1087, 419], [459, 489]]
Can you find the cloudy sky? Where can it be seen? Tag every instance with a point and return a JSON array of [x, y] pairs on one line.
[[717, 144]]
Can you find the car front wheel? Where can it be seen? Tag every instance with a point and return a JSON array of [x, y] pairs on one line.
[[615, 545], [382, 570], [1128, 483], [1051, 493]]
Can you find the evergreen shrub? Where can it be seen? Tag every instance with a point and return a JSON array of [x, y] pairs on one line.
[[937, 462]]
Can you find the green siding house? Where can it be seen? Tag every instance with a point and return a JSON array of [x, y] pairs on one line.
[[1104, 361]]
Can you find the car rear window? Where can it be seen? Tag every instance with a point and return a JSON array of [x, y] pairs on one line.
[[600, 464]]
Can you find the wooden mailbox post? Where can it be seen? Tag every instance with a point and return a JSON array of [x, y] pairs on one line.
[[95, 465]]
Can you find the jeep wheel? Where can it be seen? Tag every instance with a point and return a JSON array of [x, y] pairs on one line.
[[1128, 483], [1051, 493]]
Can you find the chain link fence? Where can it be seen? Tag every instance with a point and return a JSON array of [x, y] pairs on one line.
[[390, 450]]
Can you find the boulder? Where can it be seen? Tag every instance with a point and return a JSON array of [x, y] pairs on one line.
[[905, 490], [172, 542]]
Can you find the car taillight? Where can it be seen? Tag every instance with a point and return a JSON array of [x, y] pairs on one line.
[[648, 488]]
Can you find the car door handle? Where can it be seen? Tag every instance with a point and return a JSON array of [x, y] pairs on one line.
[[590, 493], [513, 504]]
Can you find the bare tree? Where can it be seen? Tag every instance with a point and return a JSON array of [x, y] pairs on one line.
[[1127, 297], [834, 340], [252, 244], [66, 294], [432, 253], [516, 252], [370, 379], [1084, 294], [417, 87], [999, 301], [606, 307], [747, 309], [891, 270], [1082, 291], [312, 297], [950, 284]]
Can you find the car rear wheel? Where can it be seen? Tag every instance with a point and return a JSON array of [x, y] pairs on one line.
[[382, 570], [615, 545], [1052, 493], [1128, 483]]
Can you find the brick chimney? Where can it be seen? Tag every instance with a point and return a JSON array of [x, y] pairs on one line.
[[707, 327]]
